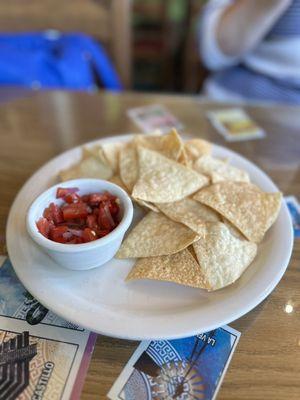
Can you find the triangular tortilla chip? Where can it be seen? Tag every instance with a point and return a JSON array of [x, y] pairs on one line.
[[190, 213], [244, 205], [218, 170], [146, 205], [128, 164], [129, 173], [222, 257], [162, 180], [111, 153], [94, 151], [89, 167], [183, 159], [118, 181], [196, 148], [156, 235], [179, 268], [233, 230], [169, 145]]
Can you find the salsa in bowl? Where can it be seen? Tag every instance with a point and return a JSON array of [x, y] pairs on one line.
[[80, 219], [80, 223]]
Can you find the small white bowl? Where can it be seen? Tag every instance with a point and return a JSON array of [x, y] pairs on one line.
[[86, 255]]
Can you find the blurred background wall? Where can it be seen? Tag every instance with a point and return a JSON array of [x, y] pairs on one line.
[[165, 55], [151, 42]]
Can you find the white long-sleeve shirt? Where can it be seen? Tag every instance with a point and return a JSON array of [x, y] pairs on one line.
[[275, 59]]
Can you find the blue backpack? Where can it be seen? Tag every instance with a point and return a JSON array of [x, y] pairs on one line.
[[51, 60]]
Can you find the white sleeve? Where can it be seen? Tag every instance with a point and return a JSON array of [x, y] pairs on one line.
[[211, 55]]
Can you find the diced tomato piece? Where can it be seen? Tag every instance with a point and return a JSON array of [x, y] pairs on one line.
[[102, 232], [75, 210], [105, 219], [57, 214], [47, 214], [57, 234], [91, 221], [62, 192], [44, 226], [75, 240], [110, 196], [72, 241], [53, 213], [80, 221], [74, 223], [114, 208], [72, 198], [96, 198], [71, 225], [89, 235], [109, 216], [85, 198]]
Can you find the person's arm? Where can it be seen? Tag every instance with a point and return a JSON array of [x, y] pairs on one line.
[[228, 29], [244, 23]]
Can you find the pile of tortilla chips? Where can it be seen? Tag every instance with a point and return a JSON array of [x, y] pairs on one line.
[[204, 218]]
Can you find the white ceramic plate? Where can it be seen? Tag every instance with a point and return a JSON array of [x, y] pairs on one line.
[[101, 301]]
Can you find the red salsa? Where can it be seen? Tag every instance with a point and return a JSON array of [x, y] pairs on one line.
[[80, 219]]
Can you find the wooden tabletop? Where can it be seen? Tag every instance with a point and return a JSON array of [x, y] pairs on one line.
[[38, 126]]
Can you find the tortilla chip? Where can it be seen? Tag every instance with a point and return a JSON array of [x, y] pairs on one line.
[[111, 153], [68, 174], [190, 213], [196, 148], [179, 268], [94, 151], [87, 152], [156, 235], [222, 257], [233, 230], [169, 145], [162, 180], [89, 167], [128, 164], [183, 159], [146, 205], [244, 205], [118, 181], [129, 173], [218, 170]]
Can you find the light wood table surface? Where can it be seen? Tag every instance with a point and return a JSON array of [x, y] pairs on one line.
[[38, 126]]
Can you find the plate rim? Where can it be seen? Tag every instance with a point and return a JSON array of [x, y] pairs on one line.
[[188, 331]]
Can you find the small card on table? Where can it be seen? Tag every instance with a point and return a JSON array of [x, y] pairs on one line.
[[235, 125], [42, 356], [154, 117], [190, 368], [294, 209]]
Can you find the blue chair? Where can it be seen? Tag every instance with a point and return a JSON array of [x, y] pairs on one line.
[[50, 60]]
